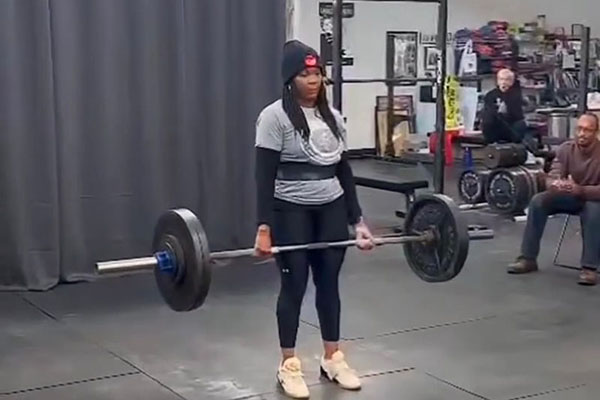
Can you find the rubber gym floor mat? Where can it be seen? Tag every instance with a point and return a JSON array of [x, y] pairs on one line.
[[381, 283], [226, 349], [509, 357], [241, 281], [104, 296], [218, 351], [380, 294], [575, 392], [16, 313], [130, 387], [409, 385], [38, 351]]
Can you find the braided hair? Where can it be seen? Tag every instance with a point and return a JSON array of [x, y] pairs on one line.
[[296, 116]]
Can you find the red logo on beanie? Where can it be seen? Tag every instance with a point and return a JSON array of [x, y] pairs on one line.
[[310, 61]]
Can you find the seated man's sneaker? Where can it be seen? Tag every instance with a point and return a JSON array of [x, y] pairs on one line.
[[588, 277], [337, 370], [531, 159], [291, 379], [522, 266]]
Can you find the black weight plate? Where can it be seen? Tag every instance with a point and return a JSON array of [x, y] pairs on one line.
[[470, 187], [182, 231], [504, 155], [443, 259], [531, 186], [503, 192], [510, 190]]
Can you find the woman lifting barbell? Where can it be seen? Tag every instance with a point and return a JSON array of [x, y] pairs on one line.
[[306, 193]]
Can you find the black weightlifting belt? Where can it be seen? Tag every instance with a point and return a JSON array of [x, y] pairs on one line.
[[299, 171]]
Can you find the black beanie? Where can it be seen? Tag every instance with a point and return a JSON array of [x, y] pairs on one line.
[[296, 57]]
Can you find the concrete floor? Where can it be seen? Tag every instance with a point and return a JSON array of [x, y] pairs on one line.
[[485, 335]]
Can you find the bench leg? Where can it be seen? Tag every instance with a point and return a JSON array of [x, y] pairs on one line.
[[409, 201]]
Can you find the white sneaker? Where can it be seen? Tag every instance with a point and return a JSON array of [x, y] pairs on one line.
[[531, 160], [291, 379], [337, 370]]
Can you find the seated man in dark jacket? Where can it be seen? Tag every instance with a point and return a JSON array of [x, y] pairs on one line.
[[503, 119]]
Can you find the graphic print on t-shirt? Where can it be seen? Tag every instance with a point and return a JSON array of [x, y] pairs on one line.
[[501, 106], [322, 147]]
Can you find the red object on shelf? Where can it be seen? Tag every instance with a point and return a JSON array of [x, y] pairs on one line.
[[449, 154]]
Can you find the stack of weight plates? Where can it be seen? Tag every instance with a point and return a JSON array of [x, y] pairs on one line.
[[510, 190]]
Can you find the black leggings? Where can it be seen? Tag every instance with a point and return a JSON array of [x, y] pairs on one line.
[[295, 224]]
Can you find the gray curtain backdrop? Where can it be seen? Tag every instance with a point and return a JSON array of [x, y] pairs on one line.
[[113, 111]]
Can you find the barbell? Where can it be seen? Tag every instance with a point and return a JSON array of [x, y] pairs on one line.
[[435, 239]]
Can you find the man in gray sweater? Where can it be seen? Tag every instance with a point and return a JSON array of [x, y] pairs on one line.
[[573, 188]]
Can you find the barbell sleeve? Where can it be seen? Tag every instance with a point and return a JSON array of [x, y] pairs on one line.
[[162, 260], [477, 206], [482, 234], [127, 265]]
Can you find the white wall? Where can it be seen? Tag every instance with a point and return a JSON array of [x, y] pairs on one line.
[[365, 37]]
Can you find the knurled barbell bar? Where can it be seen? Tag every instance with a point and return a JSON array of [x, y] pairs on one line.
[[435, 239]]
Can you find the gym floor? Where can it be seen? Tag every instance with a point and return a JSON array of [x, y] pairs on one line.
[[485, 335]]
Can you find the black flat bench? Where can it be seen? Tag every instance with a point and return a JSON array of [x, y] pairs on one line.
[[406, 188]]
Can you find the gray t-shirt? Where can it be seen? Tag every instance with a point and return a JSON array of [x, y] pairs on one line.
[[275, 131]]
